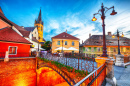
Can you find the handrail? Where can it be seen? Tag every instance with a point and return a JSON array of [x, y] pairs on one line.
[[81, 81]]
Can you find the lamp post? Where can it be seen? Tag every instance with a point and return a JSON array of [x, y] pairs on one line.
[[62, 47], [113, 36], [103, 11]]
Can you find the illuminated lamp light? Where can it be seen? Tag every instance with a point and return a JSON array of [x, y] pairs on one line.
[[33, 45], [113, 12], [94, 19], [113, 36]]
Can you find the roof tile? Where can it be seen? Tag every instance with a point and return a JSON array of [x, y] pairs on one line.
[[65, 35], [8, 34]]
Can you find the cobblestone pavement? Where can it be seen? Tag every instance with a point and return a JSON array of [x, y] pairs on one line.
[[122, 76], [20, 72], [73, 62]]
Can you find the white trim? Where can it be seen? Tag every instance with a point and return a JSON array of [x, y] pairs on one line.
[[16, 49], [16, 31]]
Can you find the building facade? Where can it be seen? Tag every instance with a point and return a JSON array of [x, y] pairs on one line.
[[11, 39], [94, 45], [65, 42]]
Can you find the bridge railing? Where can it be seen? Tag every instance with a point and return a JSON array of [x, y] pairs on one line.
[[95, 78], [76, 61]]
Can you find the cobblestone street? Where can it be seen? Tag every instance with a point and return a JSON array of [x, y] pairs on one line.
[[122, 76], [20, 72]]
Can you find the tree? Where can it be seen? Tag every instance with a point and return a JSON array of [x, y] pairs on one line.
[[47, 45]]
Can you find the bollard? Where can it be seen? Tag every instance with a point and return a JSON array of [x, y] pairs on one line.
[[6, 59]]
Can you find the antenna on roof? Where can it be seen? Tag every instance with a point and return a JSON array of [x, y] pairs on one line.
[[66, 31]]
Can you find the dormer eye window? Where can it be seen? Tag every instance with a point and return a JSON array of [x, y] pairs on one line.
[[96, 42], [110, 42]]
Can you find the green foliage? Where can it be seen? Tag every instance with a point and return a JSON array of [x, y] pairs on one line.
[[69, 69], [47, 45]]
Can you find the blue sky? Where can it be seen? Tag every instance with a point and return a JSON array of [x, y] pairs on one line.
[[71, 15]]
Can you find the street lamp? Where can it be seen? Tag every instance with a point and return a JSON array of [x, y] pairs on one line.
[[62, 46], [103, 11], [113, 36]]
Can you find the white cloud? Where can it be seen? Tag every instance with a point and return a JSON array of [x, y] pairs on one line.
[[120, 21], [81, 28], [54, 24]]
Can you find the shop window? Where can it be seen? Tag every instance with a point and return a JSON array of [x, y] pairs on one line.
[[12, 50]]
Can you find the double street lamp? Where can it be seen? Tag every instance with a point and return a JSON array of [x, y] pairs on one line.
[[113, 36], [103, 10]]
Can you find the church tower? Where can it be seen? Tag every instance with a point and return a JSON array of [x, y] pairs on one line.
[[39, 25]]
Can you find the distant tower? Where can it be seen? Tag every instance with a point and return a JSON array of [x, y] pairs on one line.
[[39, 25]]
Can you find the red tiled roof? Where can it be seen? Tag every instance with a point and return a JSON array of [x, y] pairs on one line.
[[65, 35], [25, 33], [34, 39], [11, 23], [9, 35], [44, 40], [98, 40]]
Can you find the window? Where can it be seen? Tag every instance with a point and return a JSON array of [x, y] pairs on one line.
[[65, 42], [92, 49], [12, 50], [98, 49], [87, 50], [32, 35], [73, 43], [114, 49], [58, 43]]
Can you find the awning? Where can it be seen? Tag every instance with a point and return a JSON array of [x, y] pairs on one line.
[[35, 49], [72, 48], [60, 48]]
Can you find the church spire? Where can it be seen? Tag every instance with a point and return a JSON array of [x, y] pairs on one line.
[[1, 11], [39, 17]]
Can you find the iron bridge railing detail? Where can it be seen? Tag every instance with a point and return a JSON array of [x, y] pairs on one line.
[[67, 78], [78, 62], [95, 78]]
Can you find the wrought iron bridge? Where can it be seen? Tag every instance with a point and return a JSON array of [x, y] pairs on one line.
[[95, 78]]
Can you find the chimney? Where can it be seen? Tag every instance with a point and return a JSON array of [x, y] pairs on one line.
[[89, 35], [66, 31], [109, 34], [22, 26], [100, 38]]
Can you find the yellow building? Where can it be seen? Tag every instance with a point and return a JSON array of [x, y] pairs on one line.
[[65, 42], [94, 45], [39, 25]]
